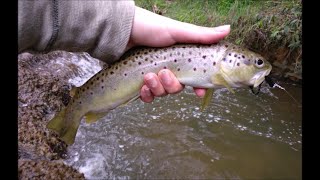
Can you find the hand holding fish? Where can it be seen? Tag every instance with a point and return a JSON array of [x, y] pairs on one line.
[[150, 29]]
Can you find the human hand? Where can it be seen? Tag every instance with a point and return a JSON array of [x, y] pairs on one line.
[[150, 29]]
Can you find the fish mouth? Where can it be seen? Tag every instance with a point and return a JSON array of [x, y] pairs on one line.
[[260, 77]]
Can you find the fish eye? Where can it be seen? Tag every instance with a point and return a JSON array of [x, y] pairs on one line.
[[259, 62]]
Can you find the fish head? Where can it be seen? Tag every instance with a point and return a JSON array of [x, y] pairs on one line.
[[241, 67]]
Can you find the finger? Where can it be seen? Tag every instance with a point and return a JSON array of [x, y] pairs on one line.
[[146, 95], [152, 81], [169, 81], [188, 33], [200, 92]]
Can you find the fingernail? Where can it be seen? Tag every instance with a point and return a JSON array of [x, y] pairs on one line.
[[151, 82], [165, 78], [223, 28], [147, 92]]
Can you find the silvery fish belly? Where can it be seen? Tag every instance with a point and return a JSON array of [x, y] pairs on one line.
[[219, 65]]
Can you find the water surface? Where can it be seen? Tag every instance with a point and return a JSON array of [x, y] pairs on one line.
[[239, 136]]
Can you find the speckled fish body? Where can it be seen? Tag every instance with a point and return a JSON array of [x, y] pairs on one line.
[[207, 66]]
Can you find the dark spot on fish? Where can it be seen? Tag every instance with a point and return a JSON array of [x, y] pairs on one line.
[[133, 60], [204, 56], [190, 52], [178, 69], [230, 61], [164, 67], [102, 80], [170, 54], [249, 60], [198, 46], [226, 46], [102, 87], [138, 52], [151, 56], [211, 55], [189, 60], [224, 59], [82, 90], [173, 48], [111, 72], [151, 61], [233, 47], [155, 63], [165, 49], [139, 63], [102, 74], [146, 59], [229, 54], [116, 67], [194, 69], [175, 60], [238, 57], [243, 56], [137, 57], [97, 78], [183, 47], [125, 74], [214, 63], [125, 62], [150, 50], [164, 57], [178, 53], [142, 72], [157, 56], [91, 93], [87, 87], [238, 64], [204, 71], [182, 55], [80, 102], [235, 55], [91, 83]]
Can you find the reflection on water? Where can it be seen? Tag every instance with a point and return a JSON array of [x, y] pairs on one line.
[[238, 136]]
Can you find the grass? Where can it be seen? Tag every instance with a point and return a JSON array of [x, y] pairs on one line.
[[272, 28]]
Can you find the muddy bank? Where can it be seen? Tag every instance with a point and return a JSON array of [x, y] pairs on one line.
[[44, 82]]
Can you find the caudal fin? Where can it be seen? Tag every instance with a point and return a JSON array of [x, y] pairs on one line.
[[66, 128]]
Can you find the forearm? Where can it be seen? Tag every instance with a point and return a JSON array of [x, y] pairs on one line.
[[101, 28]]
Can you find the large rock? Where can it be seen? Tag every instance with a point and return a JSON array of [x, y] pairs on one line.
[[44, 82]]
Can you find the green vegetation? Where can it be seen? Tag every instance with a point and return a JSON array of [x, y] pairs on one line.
[[272, 28]]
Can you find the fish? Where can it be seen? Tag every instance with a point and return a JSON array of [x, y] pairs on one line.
[[212, 66]]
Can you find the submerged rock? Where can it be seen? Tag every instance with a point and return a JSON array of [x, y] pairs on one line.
[[44, 82]]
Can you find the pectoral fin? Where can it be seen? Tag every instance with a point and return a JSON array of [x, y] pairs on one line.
[[219, 79], [206, 99], [91, 117]]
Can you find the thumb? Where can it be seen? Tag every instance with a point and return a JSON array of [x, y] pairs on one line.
[[188, 33]]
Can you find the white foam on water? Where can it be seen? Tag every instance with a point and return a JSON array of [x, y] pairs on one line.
[[93, 166], [87, 67]]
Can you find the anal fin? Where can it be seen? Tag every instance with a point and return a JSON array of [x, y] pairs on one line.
[[91, 117]]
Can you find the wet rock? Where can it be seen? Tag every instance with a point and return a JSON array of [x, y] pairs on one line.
[[30, 169], [44, 82]]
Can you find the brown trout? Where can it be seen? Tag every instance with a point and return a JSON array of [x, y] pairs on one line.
[[219, 65]]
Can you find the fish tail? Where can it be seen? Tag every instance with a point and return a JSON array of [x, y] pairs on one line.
[[66, 130]]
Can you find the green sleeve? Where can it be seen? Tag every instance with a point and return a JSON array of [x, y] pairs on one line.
[[101, 28]]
